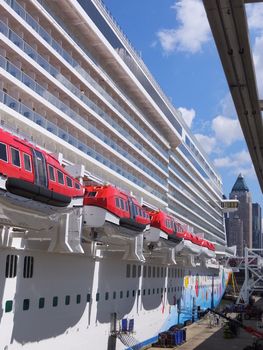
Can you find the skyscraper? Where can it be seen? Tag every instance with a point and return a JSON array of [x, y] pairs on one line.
[[256, 225], [239, 230]]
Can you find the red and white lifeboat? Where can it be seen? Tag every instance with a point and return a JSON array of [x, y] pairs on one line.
[[109, 205], [189, 244], [34, 187], [162, 226], [208, 249]]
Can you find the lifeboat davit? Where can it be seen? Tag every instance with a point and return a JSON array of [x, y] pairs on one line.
[[107, 205], [32, 182]]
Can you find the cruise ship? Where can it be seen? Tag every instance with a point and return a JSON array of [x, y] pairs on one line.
[[77, 100]]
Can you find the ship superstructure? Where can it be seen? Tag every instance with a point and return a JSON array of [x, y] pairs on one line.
[[72, 84]]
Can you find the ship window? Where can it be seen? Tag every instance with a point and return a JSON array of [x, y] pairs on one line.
[[157, 291], [51, 173], [134, 271], [3, 152], [153, 291], [128, 270], [122, 204], [27, 162], [161, 290], [117, 202], [97, 296], [161, 271], [139, 270], [149, 271], [127, 294], [60, 177], [41, 303], [28, 266], [158, 272], [8, 305], [26, 303], [139, 292], [15, 156], [144, 271], [114, 295], [67, 300], [78, 298], [77, 185], [69, 182], [153, 271], [107, 296], [175, 273], [143, 292], [11, 266], [92, 194], [121, 294], [149, 292], [133, 293], [168, 289], [88, 298], [55, 301]]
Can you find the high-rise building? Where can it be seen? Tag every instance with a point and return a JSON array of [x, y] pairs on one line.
[[256, 226], [239, 228]]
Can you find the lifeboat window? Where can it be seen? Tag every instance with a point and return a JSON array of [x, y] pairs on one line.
[[27, 162], [60, 177], [136, 210], [69, 182], [117, 202], [92, 194], [122, 204], [140, 211], [126, 206], [3, 152], [51, 173], [15, 157], [77, 186]]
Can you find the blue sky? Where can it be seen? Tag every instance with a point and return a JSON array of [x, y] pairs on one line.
[[175, 42]]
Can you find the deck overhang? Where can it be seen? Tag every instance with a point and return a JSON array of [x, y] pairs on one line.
[[228, 22]]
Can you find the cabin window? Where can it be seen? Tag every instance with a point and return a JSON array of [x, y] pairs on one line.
[[88, 298], [114, 295], [51, 173], [127, 294], [149, 271], [133, 293], [144, 271], [26, 303], [139, 270], [15, 157], [128, 270], [69, 182], [11, 266], [134, 268], [143, 292], [28, 266], [153, 271], [97, 296], [107, 296], [67, 300], [78, 298], [122, 204], [60, 177], [27, 162], [117, 202], [41, 303], [121, 294], [55, 301], [158, 271], [3, 152], [77, 186]]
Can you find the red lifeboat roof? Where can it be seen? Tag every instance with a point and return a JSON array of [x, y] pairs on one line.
[[163, 221]]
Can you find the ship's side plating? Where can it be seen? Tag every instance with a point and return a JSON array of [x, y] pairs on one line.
[[71, 82]]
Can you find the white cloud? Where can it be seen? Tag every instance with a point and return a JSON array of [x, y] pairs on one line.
[[227, 106], [258, 61], [188, 115], [192, 32], [255, 16], [226, 130], [237, 163], [208, 143]]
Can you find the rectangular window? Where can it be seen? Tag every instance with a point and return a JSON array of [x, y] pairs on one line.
[[127, 294], [69, 182], [3, 152], [149, 271], [139, 292], [134, 271], [140, 212], [114, 295], [122, 204], [92, 194], [67, 300], [121, 294], [161, 271], [143, 292], [117, 202], [133, 293], [158, 271], [153, 271], [97, 296], [27, 162], [11, 266], [51, 172], [126, 206], [26, 303], [78, 298], [41, 303], [149, 292], [107, 296], [77, 186], [139, 270], [144, 271], [8, 305], [55, 301], [28, 266], [60, 177], [15, 157], [88, 298]]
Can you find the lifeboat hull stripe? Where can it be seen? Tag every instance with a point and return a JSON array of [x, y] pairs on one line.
[[37, 193]]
